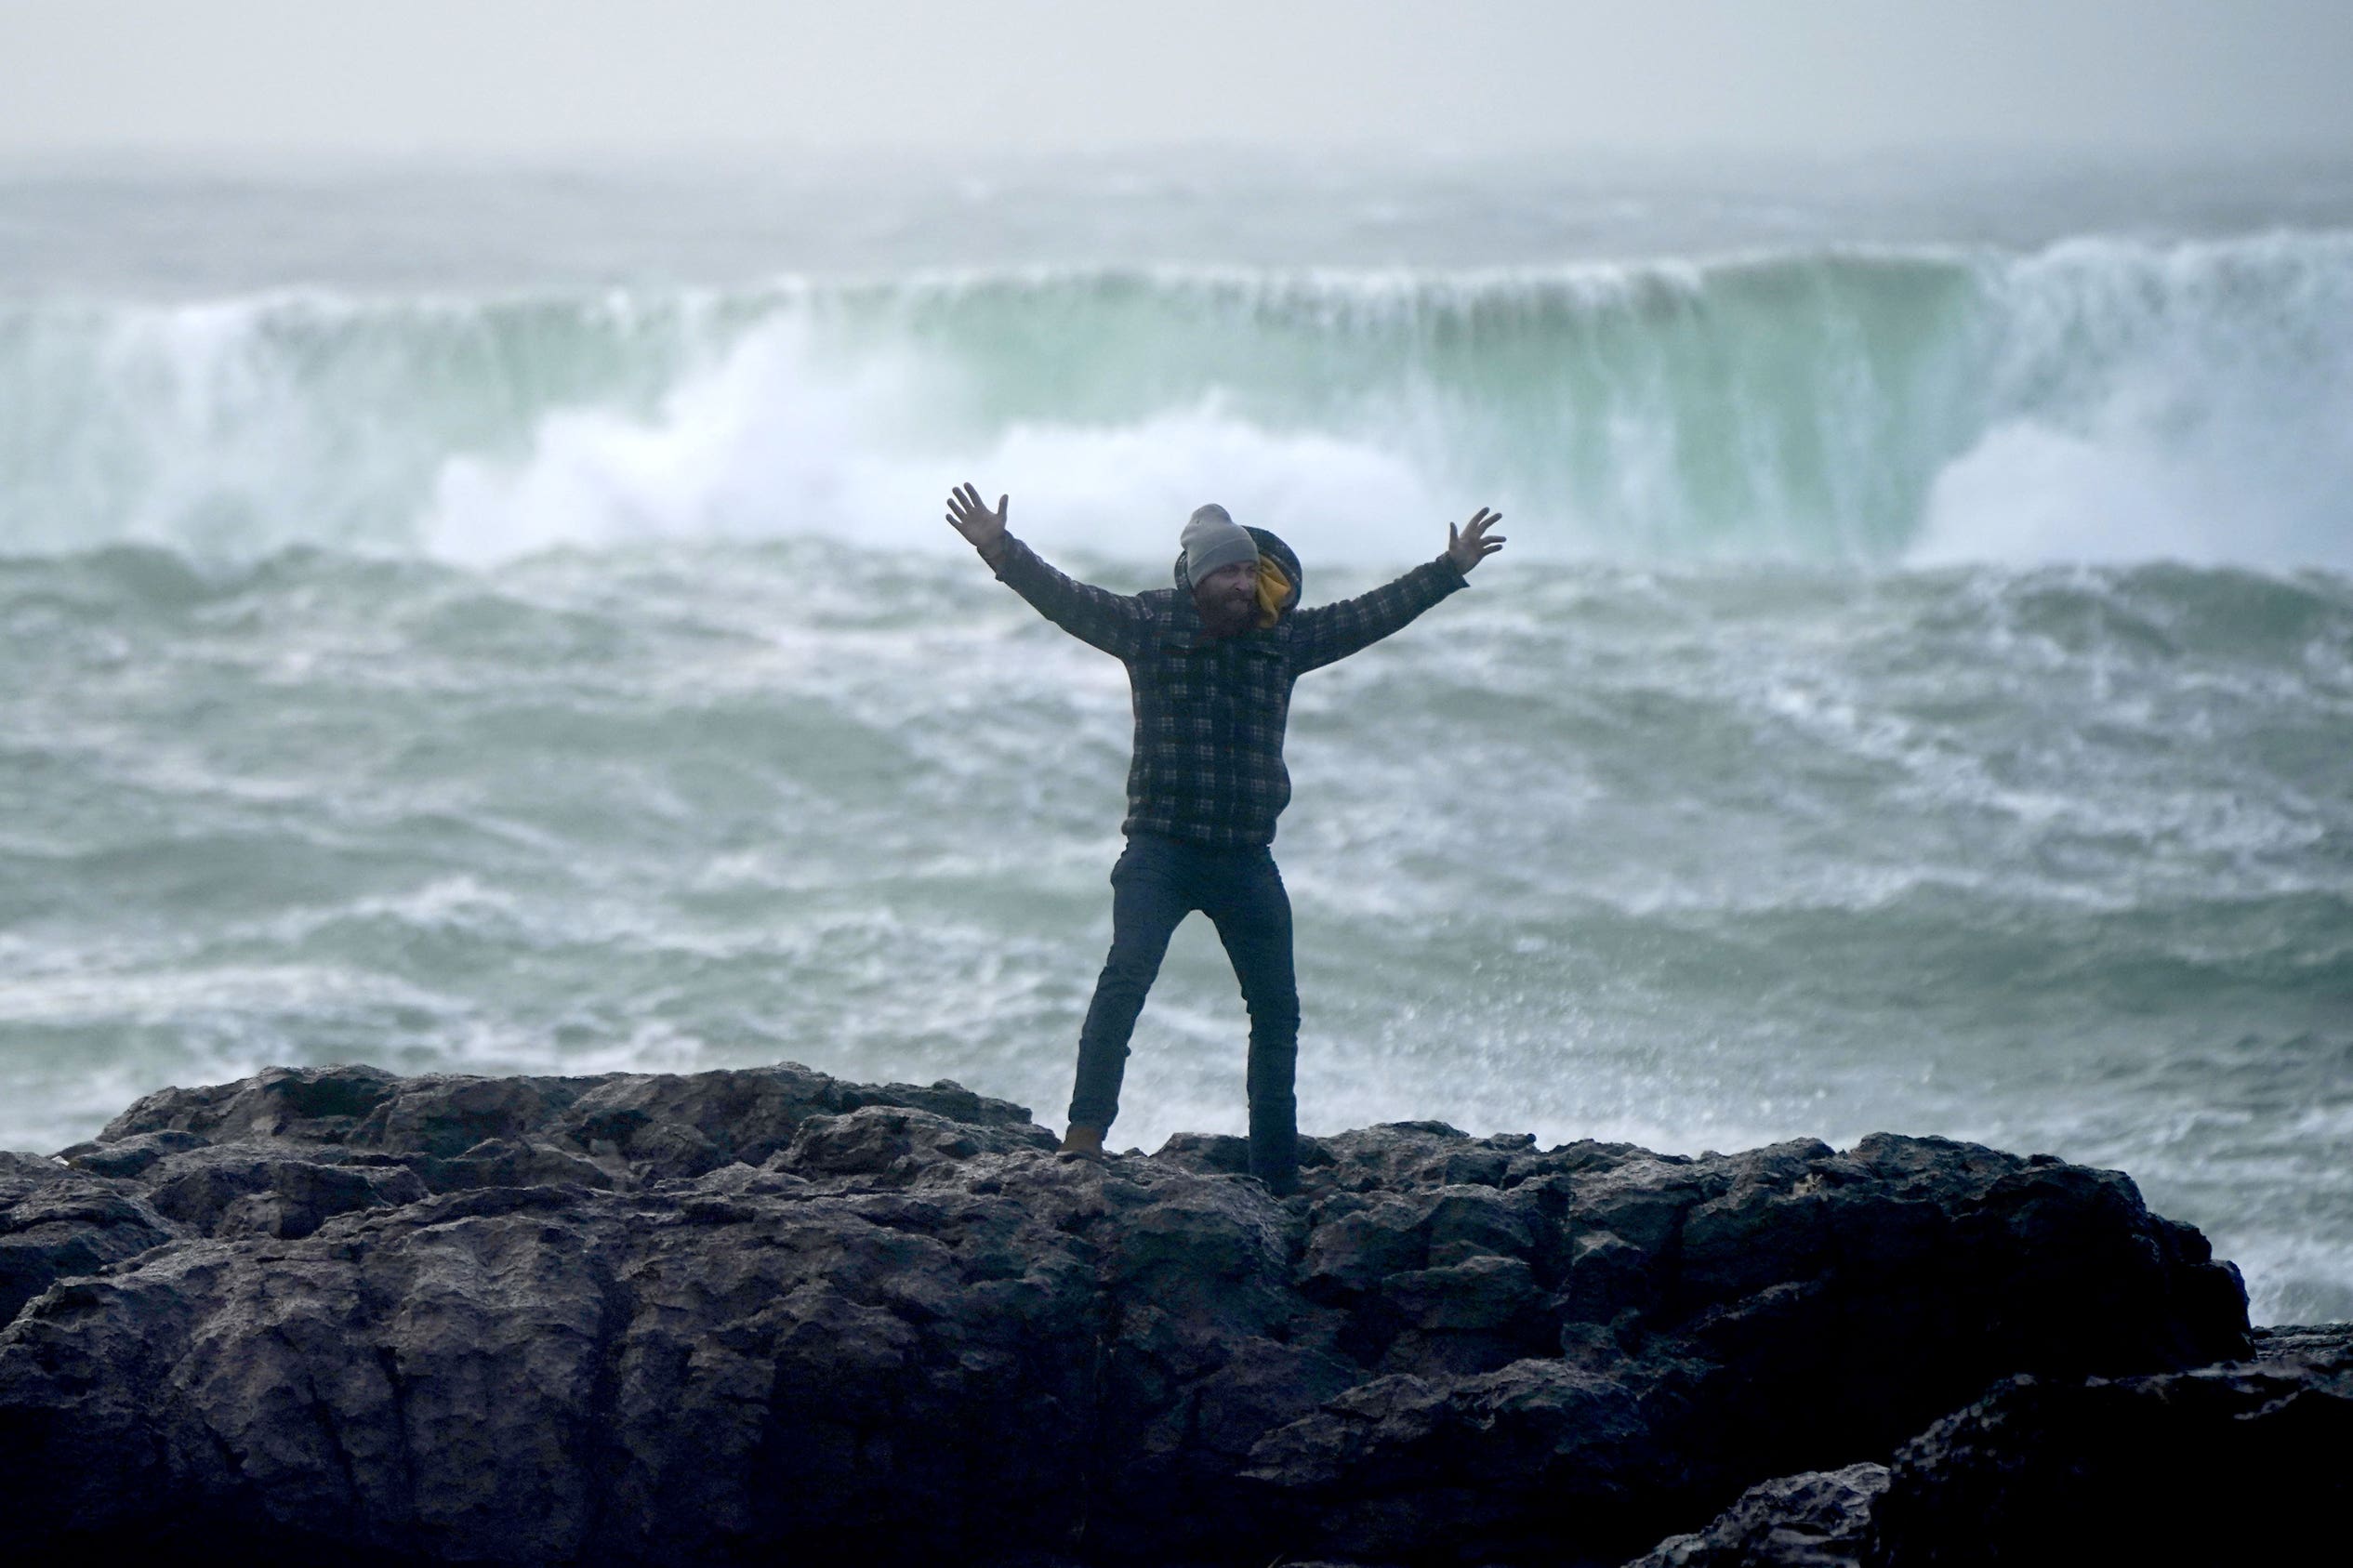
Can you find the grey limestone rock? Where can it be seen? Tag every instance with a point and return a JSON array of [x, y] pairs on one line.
[[1819, 1520], [265, 1187], [314, 1104], [131, 1156], [715, 1318], [56, 1223], [898, 1142]]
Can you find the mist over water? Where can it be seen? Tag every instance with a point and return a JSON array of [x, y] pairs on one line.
[[1915, 695]]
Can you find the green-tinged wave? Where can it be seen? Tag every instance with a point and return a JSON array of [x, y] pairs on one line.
[[2099, 398]]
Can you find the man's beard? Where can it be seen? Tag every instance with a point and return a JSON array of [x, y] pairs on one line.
[[1227, 615]]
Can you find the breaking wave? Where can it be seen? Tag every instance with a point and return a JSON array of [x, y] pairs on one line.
[[2099, 399]]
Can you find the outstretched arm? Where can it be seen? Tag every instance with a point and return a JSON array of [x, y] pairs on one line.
[[1118, 623], [1331, 632]]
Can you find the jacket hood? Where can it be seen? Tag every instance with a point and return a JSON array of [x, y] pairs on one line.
[[1269, 548]]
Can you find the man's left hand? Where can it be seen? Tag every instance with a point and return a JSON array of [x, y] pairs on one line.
[[1474, 544]]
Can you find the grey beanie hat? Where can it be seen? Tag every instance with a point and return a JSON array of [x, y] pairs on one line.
[[1213, 539]]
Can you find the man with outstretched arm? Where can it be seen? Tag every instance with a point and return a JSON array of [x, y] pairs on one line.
[[1211, 662]]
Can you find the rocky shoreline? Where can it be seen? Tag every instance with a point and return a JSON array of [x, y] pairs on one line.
[[768, 1315]]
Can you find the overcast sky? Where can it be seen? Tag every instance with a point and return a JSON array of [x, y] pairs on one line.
[[537, 77]]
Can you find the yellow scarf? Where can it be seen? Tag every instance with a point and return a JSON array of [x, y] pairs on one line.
[[1273, 589]]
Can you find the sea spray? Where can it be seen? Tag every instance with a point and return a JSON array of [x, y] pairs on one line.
[[2111, 399]]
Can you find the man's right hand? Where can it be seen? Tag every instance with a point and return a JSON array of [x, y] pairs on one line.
[[970, 516]]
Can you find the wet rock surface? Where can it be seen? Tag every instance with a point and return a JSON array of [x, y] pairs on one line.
[[1819, 1520], [55, 1222], [763, 1314]]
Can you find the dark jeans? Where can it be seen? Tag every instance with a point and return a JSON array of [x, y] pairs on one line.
[[1157, 882]]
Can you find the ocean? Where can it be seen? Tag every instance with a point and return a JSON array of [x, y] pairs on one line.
[[500, 618]]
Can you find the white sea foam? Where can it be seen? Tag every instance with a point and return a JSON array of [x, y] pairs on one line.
[[2193, 403], [2100, 400], [766, 441], [776, 439]]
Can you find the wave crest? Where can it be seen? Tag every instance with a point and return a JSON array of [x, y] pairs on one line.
[[2099, 399]]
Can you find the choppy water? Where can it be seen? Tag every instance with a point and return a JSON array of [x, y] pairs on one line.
[[1917, 694]]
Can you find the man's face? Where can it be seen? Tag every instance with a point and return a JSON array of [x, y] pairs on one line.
[[1227, 596]]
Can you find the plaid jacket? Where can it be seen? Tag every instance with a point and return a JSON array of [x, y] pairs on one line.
[[1211, 711]]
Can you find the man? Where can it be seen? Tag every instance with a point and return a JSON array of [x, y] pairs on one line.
[[1211, 663]]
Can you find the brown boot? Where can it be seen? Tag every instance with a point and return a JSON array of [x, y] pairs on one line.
[[1082, 1142]]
